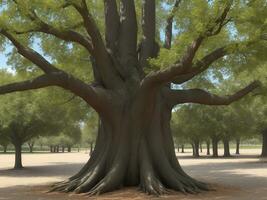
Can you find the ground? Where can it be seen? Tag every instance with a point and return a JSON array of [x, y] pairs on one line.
[[236, 178]]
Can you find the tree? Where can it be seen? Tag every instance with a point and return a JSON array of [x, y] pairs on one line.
[[31, 143], [24, 118], [3, 139], [134, 100], [89, 131]]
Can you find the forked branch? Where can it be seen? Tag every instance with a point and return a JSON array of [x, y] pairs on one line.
[[30, 54], [203, 97]]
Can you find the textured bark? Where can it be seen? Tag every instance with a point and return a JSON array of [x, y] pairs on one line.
[[237, 146], [264, 143], [129, 155], [18, 161], [226, 147]]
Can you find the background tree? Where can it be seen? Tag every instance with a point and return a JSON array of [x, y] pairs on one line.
[[3, 139], [89, 132], [130, 93]]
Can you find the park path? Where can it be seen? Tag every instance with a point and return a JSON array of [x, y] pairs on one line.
[[244, 178]]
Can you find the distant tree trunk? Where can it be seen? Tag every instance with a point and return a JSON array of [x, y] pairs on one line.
[[69, 148], [200, 147], [215, 142], [63, 149], [193, 149], [91, 148], [196, 148], [182, 148], [4, 148], [57, 148], [208, 147], [18, 162], [237, 146], [264, 143], [31, 145], [226, 147], [51, 149], [178, 148]]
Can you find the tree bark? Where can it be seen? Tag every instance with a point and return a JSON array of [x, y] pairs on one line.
[[63, 149], [200, 147], [226, 147], [18, 160], [69, 149], [125, 156], [264, 143], [237, 146], [214, 141]]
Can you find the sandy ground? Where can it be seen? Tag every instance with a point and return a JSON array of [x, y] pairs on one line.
[[243, 177]]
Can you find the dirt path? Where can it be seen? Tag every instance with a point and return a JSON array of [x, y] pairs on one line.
[[243, 178]]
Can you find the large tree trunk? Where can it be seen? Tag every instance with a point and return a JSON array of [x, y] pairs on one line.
[[226, 147], [264, 143], [18, 161], [237, 146], [69, 149], [127, 155], [214, 141]]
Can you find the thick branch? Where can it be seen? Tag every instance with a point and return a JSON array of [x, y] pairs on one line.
[[102, 58], [112, 24], [203, 97], [87, 92], [148, 44], [39, 82], [201, 65], [30, 54], [183, 68], [67, 35], [128, 34], [168, 28]]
